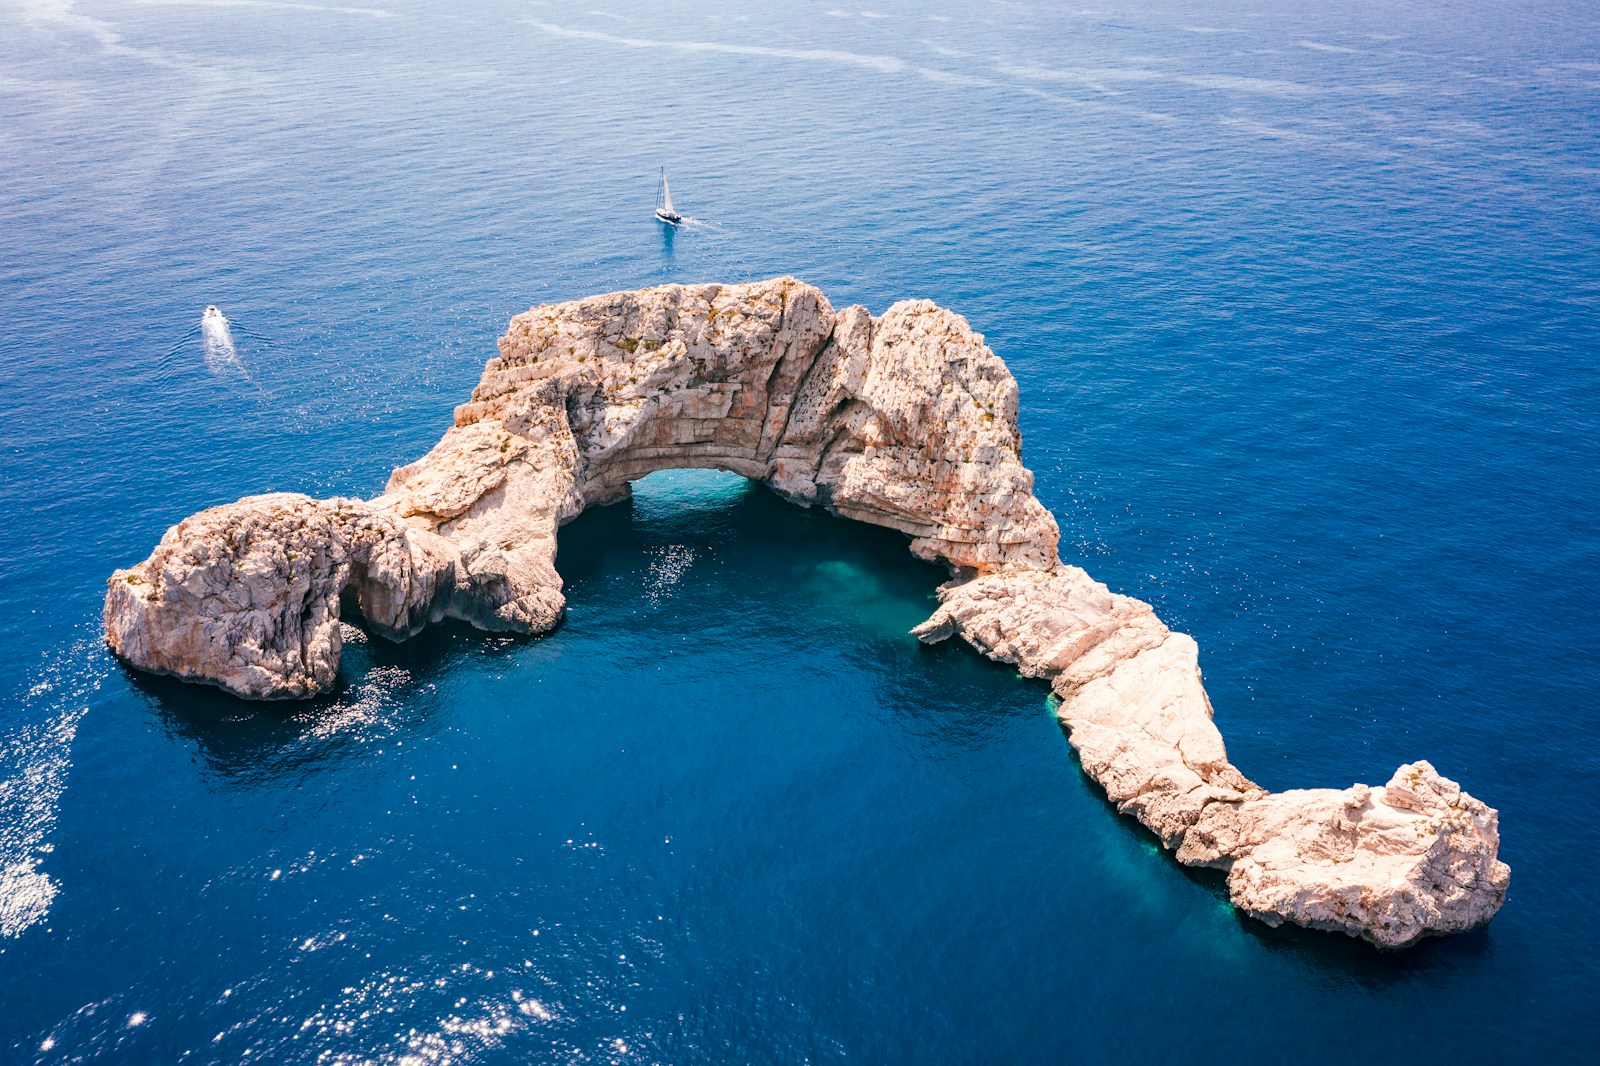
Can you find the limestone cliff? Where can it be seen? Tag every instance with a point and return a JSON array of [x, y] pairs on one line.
[[906, 421]]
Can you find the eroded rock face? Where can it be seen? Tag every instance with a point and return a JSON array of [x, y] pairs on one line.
[[1393, 864], [906, 421], [248, 596]]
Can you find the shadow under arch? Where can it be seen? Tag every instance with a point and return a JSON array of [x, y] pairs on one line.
[[244, 742]]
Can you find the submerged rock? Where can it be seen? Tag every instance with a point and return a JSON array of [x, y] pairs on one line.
[[907, 421]]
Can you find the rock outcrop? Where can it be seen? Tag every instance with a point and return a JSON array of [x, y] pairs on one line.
[[1414, 858], [248, 596], [906, 421]]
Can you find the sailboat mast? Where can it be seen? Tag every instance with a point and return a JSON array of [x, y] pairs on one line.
[[664, 209]]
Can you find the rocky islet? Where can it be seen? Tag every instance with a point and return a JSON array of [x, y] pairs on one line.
[[907, 421]]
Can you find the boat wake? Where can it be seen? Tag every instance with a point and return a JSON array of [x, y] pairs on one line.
[[216, 340], [218, 350]]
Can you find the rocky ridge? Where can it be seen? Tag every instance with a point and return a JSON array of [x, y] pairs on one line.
[[906, 421]]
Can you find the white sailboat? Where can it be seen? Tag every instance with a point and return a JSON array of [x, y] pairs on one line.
[[664, 209]]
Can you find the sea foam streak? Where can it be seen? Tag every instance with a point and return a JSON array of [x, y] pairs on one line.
[[34, 760]]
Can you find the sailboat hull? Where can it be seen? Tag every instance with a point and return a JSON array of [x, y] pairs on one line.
[[671, 218]]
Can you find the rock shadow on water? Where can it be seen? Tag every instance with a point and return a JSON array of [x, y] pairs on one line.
[[1343, 961], [1001, 697], [385, 689]]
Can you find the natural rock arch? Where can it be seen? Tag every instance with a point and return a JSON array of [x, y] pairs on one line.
[[906, 421]]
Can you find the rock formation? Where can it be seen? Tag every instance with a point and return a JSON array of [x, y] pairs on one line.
[[1414, 858], [906, 421]]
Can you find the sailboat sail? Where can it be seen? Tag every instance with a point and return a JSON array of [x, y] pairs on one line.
[[664, 210]]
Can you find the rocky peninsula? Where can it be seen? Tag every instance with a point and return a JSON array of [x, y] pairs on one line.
[[907, 421]]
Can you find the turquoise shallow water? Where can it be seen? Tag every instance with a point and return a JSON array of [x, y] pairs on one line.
[[1302, 303]]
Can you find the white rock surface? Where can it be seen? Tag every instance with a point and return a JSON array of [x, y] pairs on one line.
[[906, 421], [1393, 864], [248, 595]]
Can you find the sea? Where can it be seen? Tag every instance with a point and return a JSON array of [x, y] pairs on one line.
[[1304, 304]]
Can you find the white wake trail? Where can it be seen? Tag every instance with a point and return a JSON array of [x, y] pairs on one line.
[[216, 340]]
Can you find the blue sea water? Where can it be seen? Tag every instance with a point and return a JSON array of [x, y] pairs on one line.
[[1303, 303]]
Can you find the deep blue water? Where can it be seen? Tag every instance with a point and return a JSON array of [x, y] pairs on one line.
[[1303, 302]]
